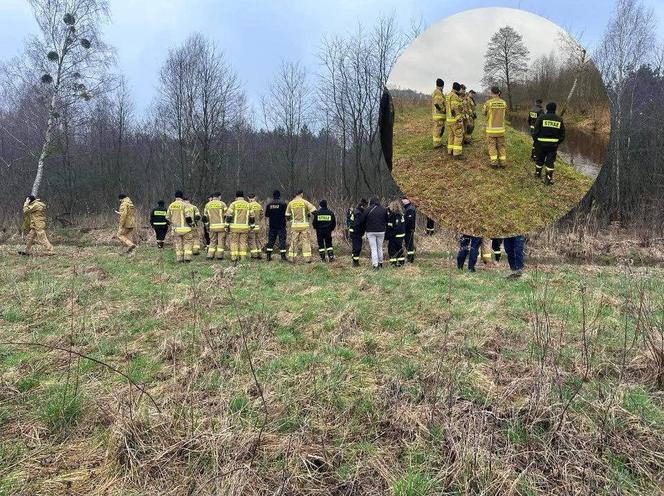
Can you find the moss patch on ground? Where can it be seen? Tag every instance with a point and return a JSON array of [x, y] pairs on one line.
[[470, 196]]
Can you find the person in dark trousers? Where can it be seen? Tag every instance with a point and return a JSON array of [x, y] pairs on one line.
[[159, 222], [495, 247], [410, 216], [206, 231], [396, 231], [514, 247], [356, 230], [550, 133], [431, 226], [375, 225], [324, 223], [533, 115], [275, 213], [469, 247]]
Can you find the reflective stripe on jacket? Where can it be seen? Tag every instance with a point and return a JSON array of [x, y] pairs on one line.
[[177, 215], [298, 211], [494, 110], [238, 215], [214, 212]]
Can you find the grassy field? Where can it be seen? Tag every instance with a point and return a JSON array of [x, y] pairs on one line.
[[471, 197], [320, 379]]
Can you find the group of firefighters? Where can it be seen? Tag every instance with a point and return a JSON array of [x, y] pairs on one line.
[[239, 225], [456, 111]]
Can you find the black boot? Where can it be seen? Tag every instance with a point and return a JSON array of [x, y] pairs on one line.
[[322, 256], [284, 258], [269, 256], [356, 263], [538, 171], [548, 179], [330, 256]]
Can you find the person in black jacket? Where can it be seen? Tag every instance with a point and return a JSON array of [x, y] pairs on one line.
[[396, 231], [356, 230], [159, 223], [375, 225], [550, 133], [533, 115], [410, 215], [275, 213], [324, 223]]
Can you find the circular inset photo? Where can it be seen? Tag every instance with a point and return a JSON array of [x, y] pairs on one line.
[[501, 122]]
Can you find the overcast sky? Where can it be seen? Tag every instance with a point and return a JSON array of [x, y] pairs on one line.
[[257, 34], [453, 48]]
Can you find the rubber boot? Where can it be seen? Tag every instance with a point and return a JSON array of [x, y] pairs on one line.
[[322, 256], [284, 258], [268, 256], [356, 263], [538, 171]]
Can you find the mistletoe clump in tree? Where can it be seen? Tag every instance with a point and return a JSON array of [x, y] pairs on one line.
[[71, 58]]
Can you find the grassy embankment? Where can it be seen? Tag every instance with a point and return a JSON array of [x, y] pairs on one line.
[[471, 197], [409, 382]]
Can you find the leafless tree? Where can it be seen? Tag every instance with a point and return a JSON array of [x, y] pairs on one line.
[[287, 109], [506, 59], [70, 56]]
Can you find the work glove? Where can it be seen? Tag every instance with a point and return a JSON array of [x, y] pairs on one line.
[[189, 221], [438, 107]]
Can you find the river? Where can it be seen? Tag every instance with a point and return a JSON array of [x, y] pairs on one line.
[[584, 150]]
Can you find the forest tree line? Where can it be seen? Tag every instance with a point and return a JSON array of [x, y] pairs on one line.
[[201, 133]]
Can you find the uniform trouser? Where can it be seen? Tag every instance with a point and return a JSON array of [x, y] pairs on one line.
[[206, 235], [324, 239], [497, 148], [125, 234], [253, 243], [376, 240], [466, 132], [514, 249], [437, 130], [38, 235], [533, 151], [485, 250], [468, 248], [495, 247], [300, 241], [216, 244], [455, 138], [409, 241], [431, 226], [546, 157], [470, 127], [395, 250], [238, 245], [160, 232], [183, 246], [196, 240], [272, 234], [356, 243]]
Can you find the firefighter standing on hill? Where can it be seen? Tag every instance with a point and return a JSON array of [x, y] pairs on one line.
[[324, 223], [238, 218], [454, 122], [494, 110], [180, 217], [533, 115], [195, 229], [410, 216], [275, 213], [438, 113], [127, 222], [159, 223], [214, 217], [256, 213], [550, 133], [34, 212], [298, 211]]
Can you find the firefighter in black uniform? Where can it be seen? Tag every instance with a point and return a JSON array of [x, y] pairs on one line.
[[395, 233], [159, 223], [324, 223], [550, 133], [431, 226], [410, 216], [275, 212], [356, 230], [533, 115]]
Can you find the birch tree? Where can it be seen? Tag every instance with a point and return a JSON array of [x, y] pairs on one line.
[[71, 57]]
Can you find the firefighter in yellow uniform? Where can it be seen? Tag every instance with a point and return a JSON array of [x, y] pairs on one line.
[[454, 114], [180, 218], [256, 211], [127, 222], [494, 110], [214, 214], [238, 219], [438, 113], [34, 211], [195, 229], [298, 212]]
